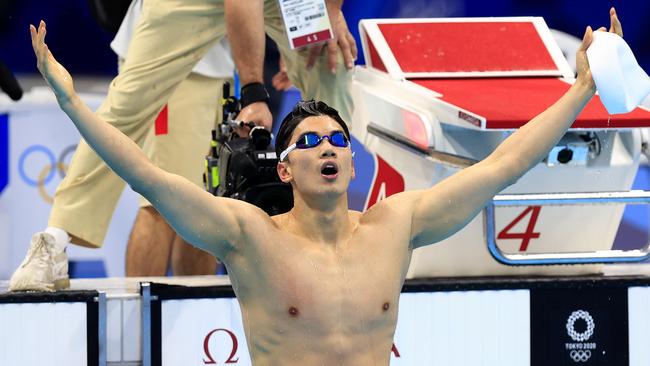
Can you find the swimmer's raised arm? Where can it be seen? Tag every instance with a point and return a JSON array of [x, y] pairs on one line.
[[448, 206], [211, 223]]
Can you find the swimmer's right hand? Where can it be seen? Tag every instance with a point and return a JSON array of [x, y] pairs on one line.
[[53, 72]]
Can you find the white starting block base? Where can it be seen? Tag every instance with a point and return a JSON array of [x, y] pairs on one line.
[[455, 321]]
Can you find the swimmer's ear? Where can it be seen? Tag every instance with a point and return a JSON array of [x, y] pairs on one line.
[[284, 172]]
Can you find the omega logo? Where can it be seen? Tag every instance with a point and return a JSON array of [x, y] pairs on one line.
[[210, 360]]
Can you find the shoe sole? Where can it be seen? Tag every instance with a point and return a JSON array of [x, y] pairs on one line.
[[57, 285], [62, 284], [31, 288]]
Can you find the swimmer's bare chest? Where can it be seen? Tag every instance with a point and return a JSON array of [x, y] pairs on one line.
[[293, 284]]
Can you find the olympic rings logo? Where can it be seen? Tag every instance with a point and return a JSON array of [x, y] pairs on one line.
[[580, 336], [47, 172], [580, 355]]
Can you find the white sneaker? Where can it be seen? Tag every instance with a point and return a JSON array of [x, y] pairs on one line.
[[44, 268]]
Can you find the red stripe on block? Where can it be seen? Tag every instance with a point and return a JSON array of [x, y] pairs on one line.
[[162, 122]]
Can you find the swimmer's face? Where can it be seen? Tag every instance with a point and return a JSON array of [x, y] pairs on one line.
[[323, 169]]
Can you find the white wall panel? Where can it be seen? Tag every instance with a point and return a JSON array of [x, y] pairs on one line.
[[43, 334], [639, 325], [131, 330], [464, 328]]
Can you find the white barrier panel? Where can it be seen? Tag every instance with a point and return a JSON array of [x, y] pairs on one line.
[[37, 334], [639, 331], [124, 329], [463, 328]]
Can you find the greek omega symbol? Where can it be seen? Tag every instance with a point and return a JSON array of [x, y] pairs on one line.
[[233, 350]]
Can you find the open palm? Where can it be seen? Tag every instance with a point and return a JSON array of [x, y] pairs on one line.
[[53, 72]]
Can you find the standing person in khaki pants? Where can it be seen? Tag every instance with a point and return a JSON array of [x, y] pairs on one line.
[[171, 37], [177, 143]]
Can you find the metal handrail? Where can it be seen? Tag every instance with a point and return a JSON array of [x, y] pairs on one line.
[[565, 199]]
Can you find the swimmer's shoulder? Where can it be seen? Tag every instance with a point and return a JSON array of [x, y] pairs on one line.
[[397, 206]]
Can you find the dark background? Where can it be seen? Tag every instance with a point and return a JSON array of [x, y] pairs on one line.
[[550, 309], [80, 44]]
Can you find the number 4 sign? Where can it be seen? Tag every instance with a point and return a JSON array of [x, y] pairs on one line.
[[527, 235]]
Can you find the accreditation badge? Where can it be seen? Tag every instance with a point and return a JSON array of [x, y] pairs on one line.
[[306, 22]]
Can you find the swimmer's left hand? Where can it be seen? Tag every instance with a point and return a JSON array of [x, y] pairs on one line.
[[582, 65], [53, 72]]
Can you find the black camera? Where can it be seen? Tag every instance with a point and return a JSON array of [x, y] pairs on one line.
[[245, 168]]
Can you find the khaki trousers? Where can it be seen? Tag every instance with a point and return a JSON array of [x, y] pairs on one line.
[[168, 41], [192, 112]]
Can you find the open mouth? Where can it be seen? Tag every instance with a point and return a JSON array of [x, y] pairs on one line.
[[329, 170]]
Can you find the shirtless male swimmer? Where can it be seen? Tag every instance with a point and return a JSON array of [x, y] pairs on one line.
[[320, 284]]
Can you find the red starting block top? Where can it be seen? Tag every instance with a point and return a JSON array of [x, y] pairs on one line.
[[462, 47]]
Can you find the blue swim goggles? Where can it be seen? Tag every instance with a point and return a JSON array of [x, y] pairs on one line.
[[311, 139]]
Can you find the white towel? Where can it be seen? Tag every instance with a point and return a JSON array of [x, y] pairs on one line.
[[621, 82]]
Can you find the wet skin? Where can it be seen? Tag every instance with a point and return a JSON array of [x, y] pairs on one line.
[[327, 293]]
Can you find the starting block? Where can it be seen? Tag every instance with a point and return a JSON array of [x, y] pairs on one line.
[[438, 95]]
